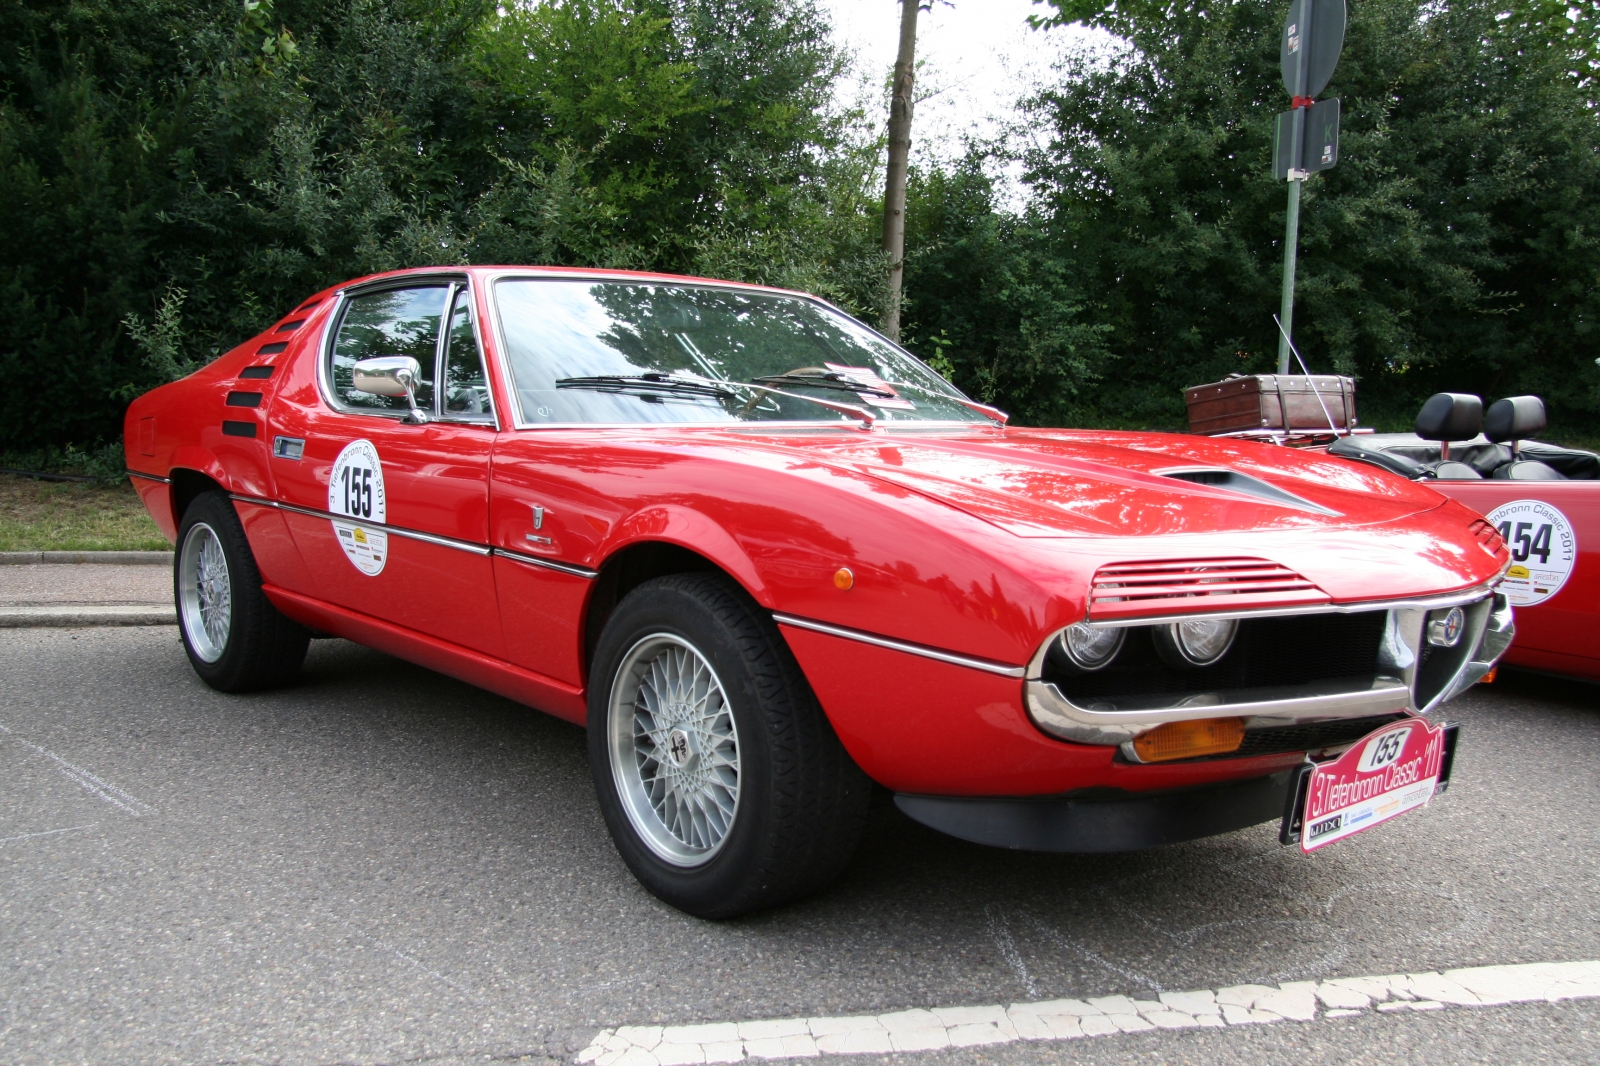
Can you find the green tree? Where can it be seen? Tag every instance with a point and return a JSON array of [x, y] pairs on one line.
[[1453, 246], [178, 173]]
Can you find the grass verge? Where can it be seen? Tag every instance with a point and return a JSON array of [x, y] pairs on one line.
[[63, 516]]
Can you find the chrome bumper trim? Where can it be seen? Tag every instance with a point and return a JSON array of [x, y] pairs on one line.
[[1489, 632], [1261, 708], [899, 645]]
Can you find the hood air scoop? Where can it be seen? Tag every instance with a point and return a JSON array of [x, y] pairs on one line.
[[1245, 485]]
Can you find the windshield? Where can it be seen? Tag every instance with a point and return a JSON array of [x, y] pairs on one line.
[[609, 352]]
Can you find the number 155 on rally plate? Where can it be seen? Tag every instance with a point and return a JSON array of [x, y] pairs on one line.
[[1393, 770]]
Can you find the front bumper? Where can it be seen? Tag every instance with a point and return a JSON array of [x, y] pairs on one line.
[[1103, 820], [1412, 679]]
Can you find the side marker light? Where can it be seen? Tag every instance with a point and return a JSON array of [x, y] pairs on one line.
[[843, 579], [1190, 740]]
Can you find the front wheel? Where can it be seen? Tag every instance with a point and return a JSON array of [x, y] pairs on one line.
[[720, 779], [236, 639]]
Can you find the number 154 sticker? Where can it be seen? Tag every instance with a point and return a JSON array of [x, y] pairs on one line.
[[355, 490], [1543, 550]]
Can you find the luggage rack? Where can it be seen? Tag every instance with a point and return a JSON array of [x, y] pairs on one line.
[[1294, 438]]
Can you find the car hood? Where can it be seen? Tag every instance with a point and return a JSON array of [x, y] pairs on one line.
[[1055, 483]]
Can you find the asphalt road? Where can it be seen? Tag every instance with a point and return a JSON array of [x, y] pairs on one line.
[[383, 865]]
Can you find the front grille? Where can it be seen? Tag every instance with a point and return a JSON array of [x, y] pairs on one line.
[[1295, 650]]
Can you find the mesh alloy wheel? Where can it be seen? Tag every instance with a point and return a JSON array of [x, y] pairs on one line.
[[674, 750], [205, 594]]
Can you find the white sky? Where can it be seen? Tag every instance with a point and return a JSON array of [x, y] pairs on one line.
[[978, 56]]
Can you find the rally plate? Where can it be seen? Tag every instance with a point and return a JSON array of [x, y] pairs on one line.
[[1392, 770]]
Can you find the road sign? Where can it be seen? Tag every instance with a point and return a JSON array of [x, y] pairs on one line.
[[1308, 136], [1313, 36], [1319, 145]]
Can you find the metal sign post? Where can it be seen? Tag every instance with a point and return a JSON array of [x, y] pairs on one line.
[[1308, 134]]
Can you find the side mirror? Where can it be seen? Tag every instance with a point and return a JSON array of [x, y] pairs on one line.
[[390, 375]]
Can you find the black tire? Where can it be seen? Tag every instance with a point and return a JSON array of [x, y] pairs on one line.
[[258, 647], [801, 800]]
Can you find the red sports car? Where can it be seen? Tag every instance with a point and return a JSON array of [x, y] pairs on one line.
[[769, 559]]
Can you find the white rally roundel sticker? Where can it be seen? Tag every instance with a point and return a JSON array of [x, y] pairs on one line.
[[1543, 550], [355, 490]]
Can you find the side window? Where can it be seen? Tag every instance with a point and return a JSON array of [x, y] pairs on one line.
[[392, 322], [466, 389]]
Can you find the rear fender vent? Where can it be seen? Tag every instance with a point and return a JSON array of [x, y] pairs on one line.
[[1196, 586], [1245, 485]]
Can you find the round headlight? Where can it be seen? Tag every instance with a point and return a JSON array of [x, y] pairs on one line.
[[1089, 648], [1198, 643]]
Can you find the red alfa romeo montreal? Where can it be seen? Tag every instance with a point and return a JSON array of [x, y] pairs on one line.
[[769, 559]]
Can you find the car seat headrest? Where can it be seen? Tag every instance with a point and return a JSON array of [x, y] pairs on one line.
[[1514, 418], [1450, 416]]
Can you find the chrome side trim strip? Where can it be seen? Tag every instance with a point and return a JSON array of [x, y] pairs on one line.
[[398, 531], [548, 564], [150, 477], [900, 645], [433, 538]]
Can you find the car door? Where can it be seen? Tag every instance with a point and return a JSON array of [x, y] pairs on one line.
[[389, 513]]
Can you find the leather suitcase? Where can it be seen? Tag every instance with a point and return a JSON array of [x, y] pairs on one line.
[[1260, 401]]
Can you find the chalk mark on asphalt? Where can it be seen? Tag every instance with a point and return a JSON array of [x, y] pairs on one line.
[[94, 785], [48, 833], [1001, 932]]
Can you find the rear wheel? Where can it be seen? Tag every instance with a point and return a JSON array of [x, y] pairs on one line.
[[721, 780], [236, 639]]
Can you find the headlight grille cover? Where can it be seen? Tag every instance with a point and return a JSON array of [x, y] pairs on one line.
[[1172, 586]]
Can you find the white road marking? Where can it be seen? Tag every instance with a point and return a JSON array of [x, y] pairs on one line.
[[95, 786], [1067, 1019], [48, 833]]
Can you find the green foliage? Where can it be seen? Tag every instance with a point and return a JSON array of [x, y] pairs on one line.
[[992, 303], [178, 173], [1453, 246]]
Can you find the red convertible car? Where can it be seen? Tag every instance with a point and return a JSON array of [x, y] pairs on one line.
[[769, 559], [1544, 500]]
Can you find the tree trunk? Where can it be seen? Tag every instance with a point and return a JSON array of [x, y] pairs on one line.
[[894, 197]]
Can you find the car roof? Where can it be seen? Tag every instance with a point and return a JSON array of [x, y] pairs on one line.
[[598, 273]]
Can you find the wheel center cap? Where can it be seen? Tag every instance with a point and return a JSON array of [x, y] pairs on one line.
[[680, 748]]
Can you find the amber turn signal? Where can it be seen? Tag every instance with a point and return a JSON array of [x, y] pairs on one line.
[[1189, 740], [1488, 679], [843, 578]]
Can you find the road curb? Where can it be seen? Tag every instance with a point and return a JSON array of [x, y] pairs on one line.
[[80, 558], [87, 615]]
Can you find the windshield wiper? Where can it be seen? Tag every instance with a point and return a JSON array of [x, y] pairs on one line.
[[651, 382], [656, 382], [837, 382]]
